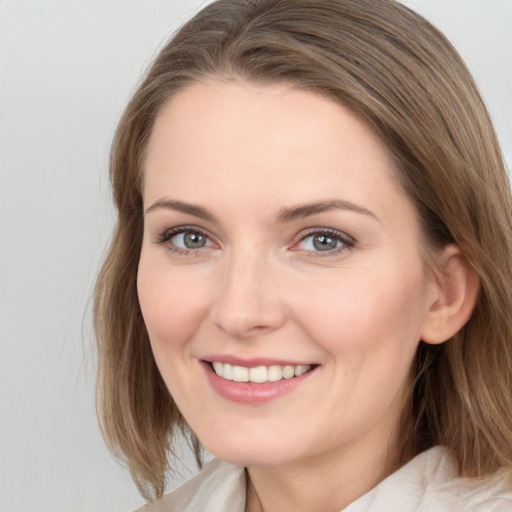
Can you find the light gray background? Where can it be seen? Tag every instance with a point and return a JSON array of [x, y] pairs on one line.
[[67, 67]]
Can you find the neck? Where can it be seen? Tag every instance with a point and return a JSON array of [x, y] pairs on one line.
[[252, 501], [319, 484]]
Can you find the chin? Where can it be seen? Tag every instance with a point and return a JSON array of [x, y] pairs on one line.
[[249, 451]]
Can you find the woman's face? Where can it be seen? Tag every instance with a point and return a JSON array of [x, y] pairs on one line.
[[277, 243]]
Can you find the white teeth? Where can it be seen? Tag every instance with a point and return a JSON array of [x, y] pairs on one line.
[[259, 374], [300, 369], [288, 372], [227, 371], [240, 374], [275, 373]]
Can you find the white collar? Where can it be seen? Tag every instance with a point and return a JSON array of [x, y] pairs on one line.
[[428, 483]]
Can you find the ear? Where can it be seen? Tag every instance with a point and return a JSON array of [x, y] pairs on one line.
[[455, 290]]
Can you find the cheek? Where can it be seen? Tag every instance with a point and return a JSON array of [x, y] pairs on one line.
[[364, 312], [172, 305], [369, 328]]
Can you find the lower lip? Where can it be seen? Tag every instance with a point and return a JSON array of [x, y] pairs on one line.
[[249, 392]]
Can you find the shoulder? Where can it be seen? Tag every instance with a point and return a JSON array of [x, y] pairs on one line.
[[219, 485], [489, 494], [430, 483]]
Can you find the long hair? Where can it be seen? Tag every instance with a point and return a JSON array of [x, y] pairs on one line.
[[401, 75]]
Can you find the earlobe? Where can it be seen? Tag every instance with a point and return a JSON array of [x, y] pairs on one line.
[[456, 287]]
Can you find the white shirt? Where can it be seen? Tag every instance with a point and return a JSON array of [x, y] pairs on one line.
[[428, 483]]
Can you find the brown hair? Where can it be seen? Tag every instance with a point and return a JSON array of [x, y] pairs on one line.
[[403, 76]]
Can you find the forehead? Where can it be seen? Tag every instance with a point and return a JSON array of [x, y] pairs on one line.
[[211, 107], [242, 139]]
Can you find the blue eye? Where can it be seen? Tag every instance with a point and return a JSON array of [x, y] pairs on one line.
[[324, 241], [189, 240], [184, 239]]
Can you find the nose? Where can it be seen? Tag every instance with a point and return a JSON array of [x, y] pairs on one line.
[[247, 304]]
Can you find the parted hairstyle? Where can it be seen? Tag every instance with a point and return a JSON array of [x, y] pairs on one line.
[[401, 75]]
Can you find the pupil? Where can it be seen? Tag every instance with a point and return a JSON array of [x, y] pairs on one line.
[[194, 240], [324, 242]]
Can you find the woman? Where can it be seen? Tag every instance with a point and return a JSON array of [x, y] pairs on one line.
[[310, 270]]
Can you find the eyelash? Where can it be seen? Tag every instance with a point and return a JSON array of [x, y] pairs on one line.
[[346, 241], [171, 233]]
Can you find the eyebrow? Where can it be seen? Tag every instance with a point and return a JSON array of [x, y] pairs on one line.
[[306, 210], [284, 215], [180, 206]]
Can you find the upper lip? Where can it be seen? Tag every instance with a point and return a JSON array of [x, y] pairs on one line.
[[253, 361]]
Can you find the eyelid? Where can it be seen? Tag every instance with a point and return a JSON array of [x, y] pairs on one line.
[[347, 241], [164, 237]]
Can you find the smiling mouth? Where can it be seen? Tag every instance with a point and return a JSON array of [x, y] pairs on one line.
[[259, 374]]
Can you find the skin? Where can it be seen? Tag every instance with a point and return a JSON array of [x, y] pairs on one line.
[[260, 288]]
